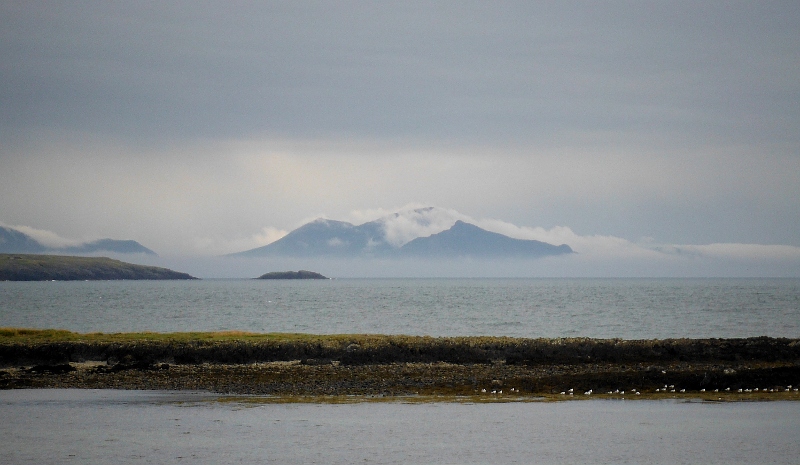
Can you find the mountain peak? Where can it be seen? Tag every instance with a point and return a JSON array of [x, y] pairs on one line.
[[465, 239], [324, 237], [424, 231], [329, 223]]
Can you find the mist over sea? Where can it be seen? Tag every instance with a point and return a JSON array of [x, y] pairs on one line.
[[529, 307]]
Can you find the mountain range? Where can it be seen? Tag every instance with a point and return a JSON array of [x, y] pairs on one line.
[[330, 238], [14, 241], [428, 232]]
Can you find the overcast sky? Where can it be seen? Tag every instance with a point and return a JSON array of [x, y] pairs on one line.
[[200, 128]]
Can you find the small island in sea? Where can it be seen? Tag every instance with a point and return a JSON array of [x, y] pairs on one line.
[[302, 274], [33, 267]]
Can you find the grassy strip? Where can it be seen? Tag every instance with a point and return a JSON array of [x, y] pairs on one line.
[[28, 336], [28, 346]]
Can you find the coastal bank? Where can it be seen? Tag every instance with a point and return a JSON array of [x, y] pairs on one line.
[[386, 365]]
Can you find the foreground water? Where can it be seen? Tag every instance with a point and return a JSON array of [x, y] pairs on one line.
[[126, 427], [601, 308], [89, 426]]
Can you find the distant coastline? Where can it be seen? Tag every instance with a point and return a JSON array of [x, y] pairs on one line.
[[31, 267]]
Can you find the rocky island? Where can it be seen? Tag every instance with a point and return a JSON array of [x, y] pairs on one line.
[[31, 267], [302, 274]]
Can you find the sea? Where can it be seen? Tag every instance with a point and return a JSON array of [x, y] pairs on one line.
[[532, 308], [131, 427]]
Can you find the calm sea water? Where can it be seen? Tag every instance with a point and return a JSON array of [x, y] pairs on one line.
[[124, 427], [601, 308]]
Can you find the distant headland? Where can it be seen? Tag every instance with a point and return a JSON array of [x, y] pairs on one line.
[[302, 274], [15, 241], [28, 267]]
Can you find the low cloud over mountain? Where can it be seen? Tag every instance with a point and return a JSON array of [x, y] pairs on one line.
[[421, 232], [14, 240]]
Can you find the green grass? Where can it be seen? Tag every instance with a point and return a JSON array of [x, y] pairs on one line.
[[34, 335], [328, 342], [376, 348], [364, 340], [25, 335]]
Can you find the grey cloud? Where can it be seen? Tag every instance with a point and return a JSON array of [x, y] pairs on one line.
[[194, 198], [431, 70], [191, 125]]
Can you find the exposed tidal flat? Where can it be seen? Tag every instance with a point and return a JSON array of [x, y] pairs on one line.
[[312, 367], [340, 399]]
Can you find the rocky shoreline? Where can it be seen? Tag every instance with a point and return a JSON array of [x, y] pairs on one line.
[[717, 369]]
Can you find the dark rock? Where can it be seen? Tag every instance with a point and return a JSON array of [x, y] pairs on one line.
[[53, 369], [302, 274]]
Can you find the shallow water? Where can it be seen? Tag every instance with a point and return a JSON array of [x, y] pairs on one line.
[[127, 427], [601, 308]]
